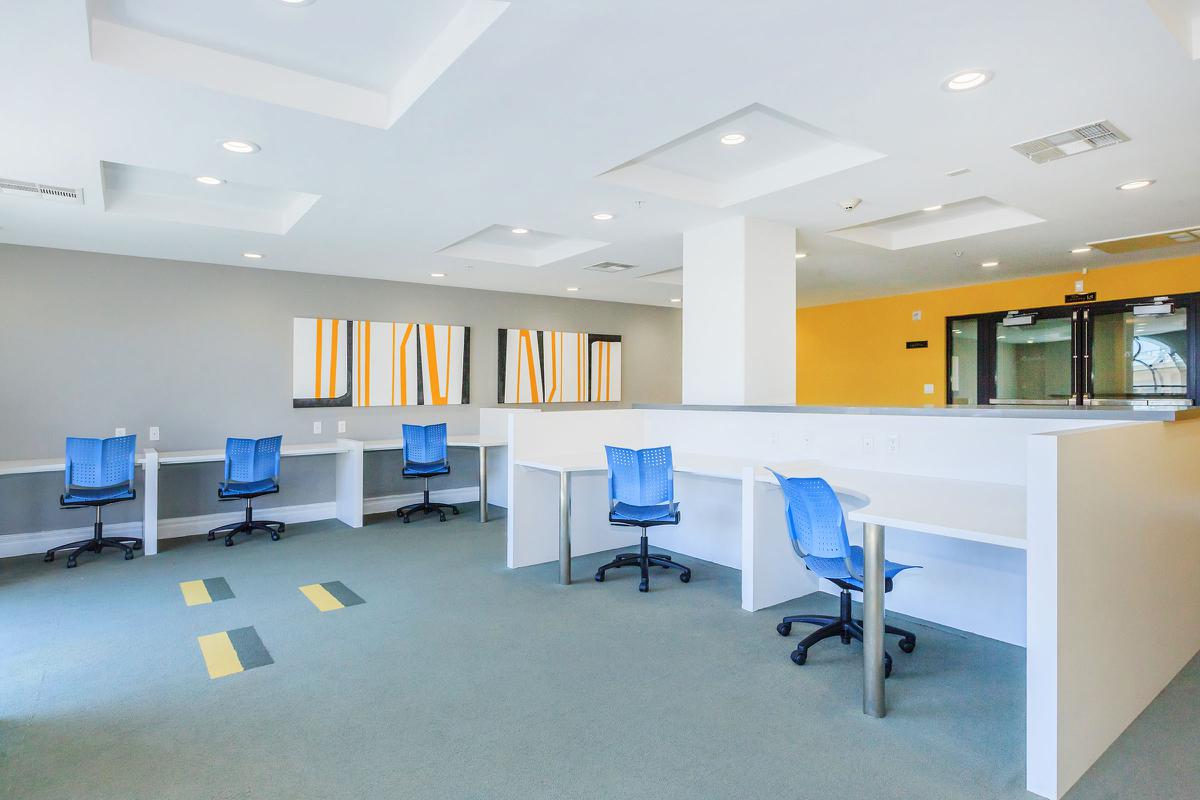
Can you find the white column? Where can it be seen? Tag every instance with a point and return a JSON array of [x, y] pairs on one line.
[[349, 483], [739, 313], [150, 503]]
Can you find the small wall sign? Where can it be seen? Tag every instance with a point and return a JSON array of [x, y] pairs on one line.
[[1082, 297], [916, 345]]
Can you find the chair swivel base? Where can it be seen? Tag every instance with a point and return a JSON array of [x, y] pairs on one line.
[[94, 545], [644, 559], [843, 626], [426, 507], [247, 526]]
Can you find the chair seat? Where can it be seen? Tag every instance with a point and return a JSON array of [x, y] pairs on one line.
[[79, 495], [247, 488], [665, 514], [834, 569], [422, 470]]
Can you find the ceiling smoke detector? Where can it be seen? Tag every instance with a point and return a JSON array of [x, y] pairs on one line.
[[1071, 142]]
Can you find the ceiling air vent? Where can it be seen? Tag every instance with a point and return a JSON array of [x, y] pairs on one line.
[[61, 194], [1083, 139], [610, 267]]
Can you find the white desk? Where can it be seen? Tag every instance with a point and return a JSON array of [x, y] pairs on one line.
[[990, 513], [468, 440]]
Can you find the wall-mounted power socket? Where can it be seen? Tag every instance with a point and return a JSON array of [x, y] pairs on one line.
[[868, 444], [893, 443], [154, 433], [928, 388], [341, 426], [317, 426], [119, 432]]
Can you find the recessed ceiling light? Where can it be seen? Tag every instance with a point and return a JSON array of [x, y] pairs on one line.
[[970, 79], [602, 216], [733, 138], [254, 256], [932, 208], [572, 288], [239, 146], [676, 299], [437, 274], [520, 231], [1082, 250], [1140, 183], [990, 264], [297, 2], [801, 255], [209, 180]]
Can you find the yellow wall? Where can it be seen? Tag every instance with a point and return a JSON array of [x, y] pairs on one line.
[[853, 353]]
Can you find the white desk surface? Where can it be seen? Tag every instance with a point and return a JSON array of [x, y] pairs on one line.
[[993, 513], [454, 440], [203, 456], [31, 465]]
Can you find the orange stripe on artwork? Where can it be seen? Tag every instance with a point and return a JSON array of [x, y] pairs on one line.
[[317, 374], [393, 363], [527, 337], [553, 366], [333, 354], [608, 370], [436, 393], [579, 354], [404, 365], [367, 359]]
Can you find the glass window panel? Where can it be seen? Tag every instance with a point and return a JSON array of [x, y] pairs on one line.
[[1033, 362], [1144, 356], [964, 362]]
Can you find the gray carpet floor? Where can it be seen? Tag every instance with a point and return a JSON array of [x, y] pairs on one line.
[[458, 678]]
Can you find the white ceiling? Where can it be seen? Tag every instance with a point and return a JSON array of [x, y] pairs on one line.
[[516, 129]]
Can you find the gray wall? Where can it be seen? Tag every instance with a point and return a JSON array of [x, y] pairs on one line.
[[92, 342]]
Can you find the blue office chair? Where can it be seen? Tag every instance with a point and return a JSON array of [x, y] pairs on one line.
[[818, 530], [641, 493], [425, 456], [98, 472], [251, 470]]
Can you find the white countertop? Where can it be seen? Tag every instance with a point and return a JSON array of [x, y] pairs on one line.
[[993, 513], [454, 440]]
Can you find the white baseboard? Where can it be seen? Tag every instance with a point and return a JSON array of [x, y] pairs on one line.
[[23, 544]]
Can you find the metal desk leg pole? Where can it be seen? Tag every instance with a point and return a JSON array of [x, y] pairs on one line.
[[873, 698], [483, 484], [564, 528]]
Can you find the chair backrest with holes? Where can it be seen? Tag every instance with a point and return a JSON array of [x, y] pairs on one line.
[[248, 460], [814, 515], [425, 444], [640, 477], [99, 463]]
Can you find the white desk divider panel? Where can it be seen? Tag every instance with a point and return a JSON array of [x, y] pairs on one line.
[[493, 426]]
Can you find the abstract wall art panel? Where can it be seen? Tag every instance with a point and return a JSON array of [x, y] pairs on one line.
[[558, 367], [359, 363]]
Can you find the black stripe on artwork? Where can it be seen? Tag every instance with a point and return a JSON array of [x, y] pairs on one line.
[[335, 402]]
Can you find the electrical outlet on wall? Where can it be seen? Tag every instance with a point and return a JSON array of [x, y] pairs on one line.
[[154, 433], [893, 443], [868, 444], [929, 388], [917, 315], [119, 432], [341, 426], [317, 426]]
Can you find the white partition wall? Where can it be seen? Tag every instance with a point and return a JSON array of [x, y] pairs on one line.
[[493, 427], [1114, 586]]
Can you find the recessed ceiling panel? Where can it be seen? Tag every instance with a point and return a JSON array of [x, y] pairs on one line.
[[500, 245], [750, 153], [362, 62], [1149, 241], [951, 221], [175, 197]]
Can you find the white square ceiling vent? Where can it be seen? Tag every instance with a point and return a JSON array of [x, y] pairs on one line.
[[772, 152], [952, 221], [500, 244], [176, 197], [1083, 139], [362, 62], [610, 267]]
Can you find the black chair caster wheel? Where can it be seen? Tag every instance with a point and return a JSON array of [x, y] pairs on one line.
[[784, 629], [137, 545], [282, 527], [48, 557], [455, 510], [887, 665], [908, 645], [405, 520], [644, 586], [212, 536], [70, 563], [274, 536], [129, 555], [229, 542], [799, 656], [599, 577], [685, 576], [441, 517]]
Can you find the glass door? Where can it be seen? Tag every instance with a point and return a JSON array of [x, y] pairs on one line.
[[1138, 351], [1036, 358]]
